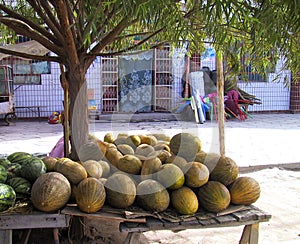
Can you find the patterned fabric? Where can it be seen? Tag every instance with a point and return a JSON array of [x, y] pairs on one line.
[[135, 86]]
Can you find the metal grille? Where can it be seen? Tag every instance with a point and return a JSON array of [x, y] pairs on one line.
[[274, 96], [109, 79], [195, 62], [163, 79]]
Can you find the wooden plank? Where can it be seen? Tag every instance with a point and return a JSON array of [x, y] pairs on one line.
[[172, 225], [71, 210], [155, 224], [244, 215], [175, 226], [226, 219], [252, 214], [132, 225], [260, 215], [233, 209], [190, 223], [141, 227], [31, 221], [208, 222]]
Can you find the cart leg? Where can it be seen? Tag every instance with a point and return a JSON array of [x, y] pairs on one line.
[[55, 236], [10, 118], [6, 236], [132, 238], [250, 234]]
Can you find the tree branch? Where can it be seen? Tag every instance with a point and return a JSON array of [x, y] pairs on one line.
[[110, 36], [70, 46], [132, 47], [31, 56], [30, 23], [49, 18], [23, 29], [75, 32]]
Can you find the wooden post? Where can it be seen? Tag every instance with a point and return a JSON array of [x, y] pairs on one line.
[[221, 111], [187, 78], [65, 86], [6, 236], [250, 234]]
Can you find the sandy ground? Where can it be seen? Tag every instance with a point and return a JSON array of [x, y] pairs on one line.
[[280, 197]]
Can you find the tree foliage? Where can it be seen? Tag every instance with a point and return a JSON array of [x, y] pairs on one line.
[[264, 29]]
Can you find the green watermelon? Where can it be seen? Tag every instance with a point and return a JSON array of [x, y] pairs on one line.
[[19, 157], [7, 197], [5, 162], [33, 168], [20, 185], [3, 174], [13, 170]]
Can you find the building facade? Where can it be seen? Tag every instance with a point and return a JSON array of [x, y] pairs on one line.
[[151, 81]]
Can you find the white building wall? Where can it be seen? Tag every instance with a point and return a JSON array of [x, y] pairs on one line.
[[49, 95], [274, 94], [93, 78]]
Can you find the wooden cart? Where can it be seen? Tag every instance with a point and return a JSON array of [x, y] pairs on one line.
[[138, 221], [34, 220], [7, 94]]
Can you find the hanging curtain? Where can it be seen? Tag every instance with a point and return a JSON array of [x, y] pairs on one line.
[[135, 82]]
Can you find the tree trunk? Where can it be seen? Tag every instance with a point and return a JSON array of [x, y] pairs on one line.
[[79, 123]]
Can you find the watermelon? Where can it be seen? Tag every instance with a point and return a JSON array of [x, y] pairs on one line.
[[19, 157], [3, 174], [33, 168], [7, 197], [20, 185], [13, 170], [5, 162]]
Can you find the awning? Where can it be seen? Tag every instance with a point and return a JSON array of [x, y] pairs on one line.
[[30, 47]]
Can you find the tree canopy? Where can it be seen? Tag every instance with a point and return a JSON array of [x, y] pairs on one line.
[[265, 29]]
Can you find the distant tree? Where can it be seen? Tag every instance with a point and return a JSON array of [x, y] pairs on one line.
[[77, 31]]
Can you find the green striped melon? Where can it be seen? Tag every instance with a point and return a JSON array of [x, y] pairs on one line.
[[170, 176], [33, 168], [3, 174], [90, 195], [213, 196], [152, 196], [5, 162], [184, 200], [120, 190], [20, 185], [185, 145], [13, 170], [7, 197], [225, 171], [19, 157]]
